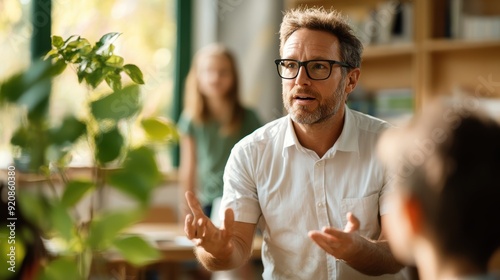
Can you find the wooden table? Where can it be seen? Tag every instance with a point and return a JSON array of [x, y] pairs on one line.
[[174, 246]]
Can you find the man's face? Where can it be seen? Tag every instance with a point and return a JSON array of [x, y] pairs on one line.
[[313, 101]]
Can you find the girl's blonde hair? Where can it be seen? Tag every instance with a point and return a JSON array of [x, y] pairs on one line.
[[195, 103]]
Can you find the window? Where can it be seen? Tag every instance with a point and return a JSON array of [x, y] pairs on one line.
[[15, 36], [148, 35]]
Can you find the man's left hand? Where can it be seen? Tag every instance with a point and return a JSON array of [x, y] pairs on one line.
[[342, 244]]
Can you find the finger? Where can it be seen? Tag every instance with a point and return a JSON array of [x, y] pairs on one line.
[[352, 223], [201, 228], [327, 244], [189, 227], [194, 205], [326, 238], [334, 234]]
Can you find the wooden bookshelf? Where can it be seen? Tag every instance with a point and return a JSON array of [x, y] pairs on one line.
[[431, 63], [387, 51], [444, 45]]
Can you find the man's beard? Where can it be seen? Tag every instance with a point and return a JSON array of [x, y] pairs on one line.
[[326, 110]]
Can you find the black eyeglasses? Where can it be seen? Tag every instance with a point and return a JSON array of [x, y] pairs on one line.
[[315, 69]]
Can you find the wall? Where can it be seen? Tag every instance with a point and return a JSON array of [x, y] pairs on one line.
[[250, 28]]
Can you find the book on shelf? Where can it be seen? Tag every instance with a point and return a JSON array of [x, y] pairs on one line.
[[481, 27], [393, 105], [455, 18], [387, 22], [465, 21]]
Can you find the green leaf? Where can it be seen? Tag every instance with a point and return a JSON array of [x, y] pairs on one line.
[[136, 250], [134, 73], [139, 175], [57, 68], [39, 112], [21, 137], [119, 105], [33, 142], [74, 191], [57, 42], [36, 99], [159, 129], [75, 57], [61, 221], [53, 53], [71, 38], [114, 81], [78, 44], [69, 131], [13, 88], [106, 41], [109, 37], [62, 268], [104, 229], [81, 75], [114, 61], [106, 70], [108, 145], [94, 78], [22, 243], [35, 207], [30, 82], [85, 50]]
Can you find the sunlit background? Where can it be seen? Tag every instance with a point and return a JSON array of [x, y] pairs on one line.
[[148, 40], [415, 50]]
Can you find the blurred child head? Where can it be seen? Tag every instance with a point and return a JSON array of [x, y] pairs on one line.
[[446, 168], [213, 75]]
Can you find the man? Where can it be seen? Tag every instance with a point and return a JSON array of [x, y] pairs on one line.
[[311, 178], [446, 167]]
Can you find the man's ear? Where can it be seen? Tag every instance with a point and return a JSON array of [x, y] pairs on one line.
[[352, 80]]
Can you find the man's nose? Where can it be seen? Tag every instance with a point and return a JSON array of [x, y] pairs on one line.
[[302, 77]]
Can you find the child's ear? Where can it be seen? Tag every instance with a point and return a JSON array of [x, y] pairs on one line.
[[413, 212], [352, 80]]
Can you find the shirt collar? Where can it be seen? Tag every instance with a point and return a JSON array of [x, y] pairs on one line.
[[290, 137], [347, 142]]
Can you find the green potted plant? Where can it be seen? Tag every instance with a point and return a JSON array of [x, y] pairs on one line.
[[46, 149]]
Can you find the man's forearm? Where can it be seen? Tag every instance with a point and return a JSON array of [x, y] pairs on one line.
[[236, 258], [374, 258]]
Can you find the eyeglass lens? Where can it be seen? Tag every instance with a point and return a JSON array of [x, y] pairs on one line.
[[315, 69]]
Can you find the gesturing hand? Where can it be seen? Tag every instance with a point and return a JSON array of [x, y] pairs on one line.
[[199, 228], [338, 243]]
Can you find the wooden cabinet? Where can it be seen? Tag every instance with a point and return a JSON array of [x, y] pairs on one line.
[[434, 60]]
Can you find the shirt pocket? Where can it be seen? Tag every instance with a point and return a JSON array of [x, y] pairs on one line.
[[366, 209]]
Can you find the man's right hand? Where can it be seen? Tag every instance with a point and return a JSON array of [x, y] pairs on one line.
[[199, 229]]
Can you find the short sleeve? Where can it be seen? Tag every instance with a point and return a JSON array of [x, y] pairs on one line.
[[385, 206], [251, 122], [240, 191], [185, 124]]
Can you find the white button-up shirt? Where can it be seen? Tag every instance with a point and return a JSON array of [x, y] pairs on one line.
[[272, 178]]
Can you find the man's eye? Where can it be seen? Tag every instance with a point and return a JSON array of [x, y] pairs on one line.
[[290, 65], [318, 66]]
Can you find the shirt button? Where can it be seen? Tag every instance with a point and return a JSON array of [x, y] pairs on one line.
[[319, 204], [318, 164]]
